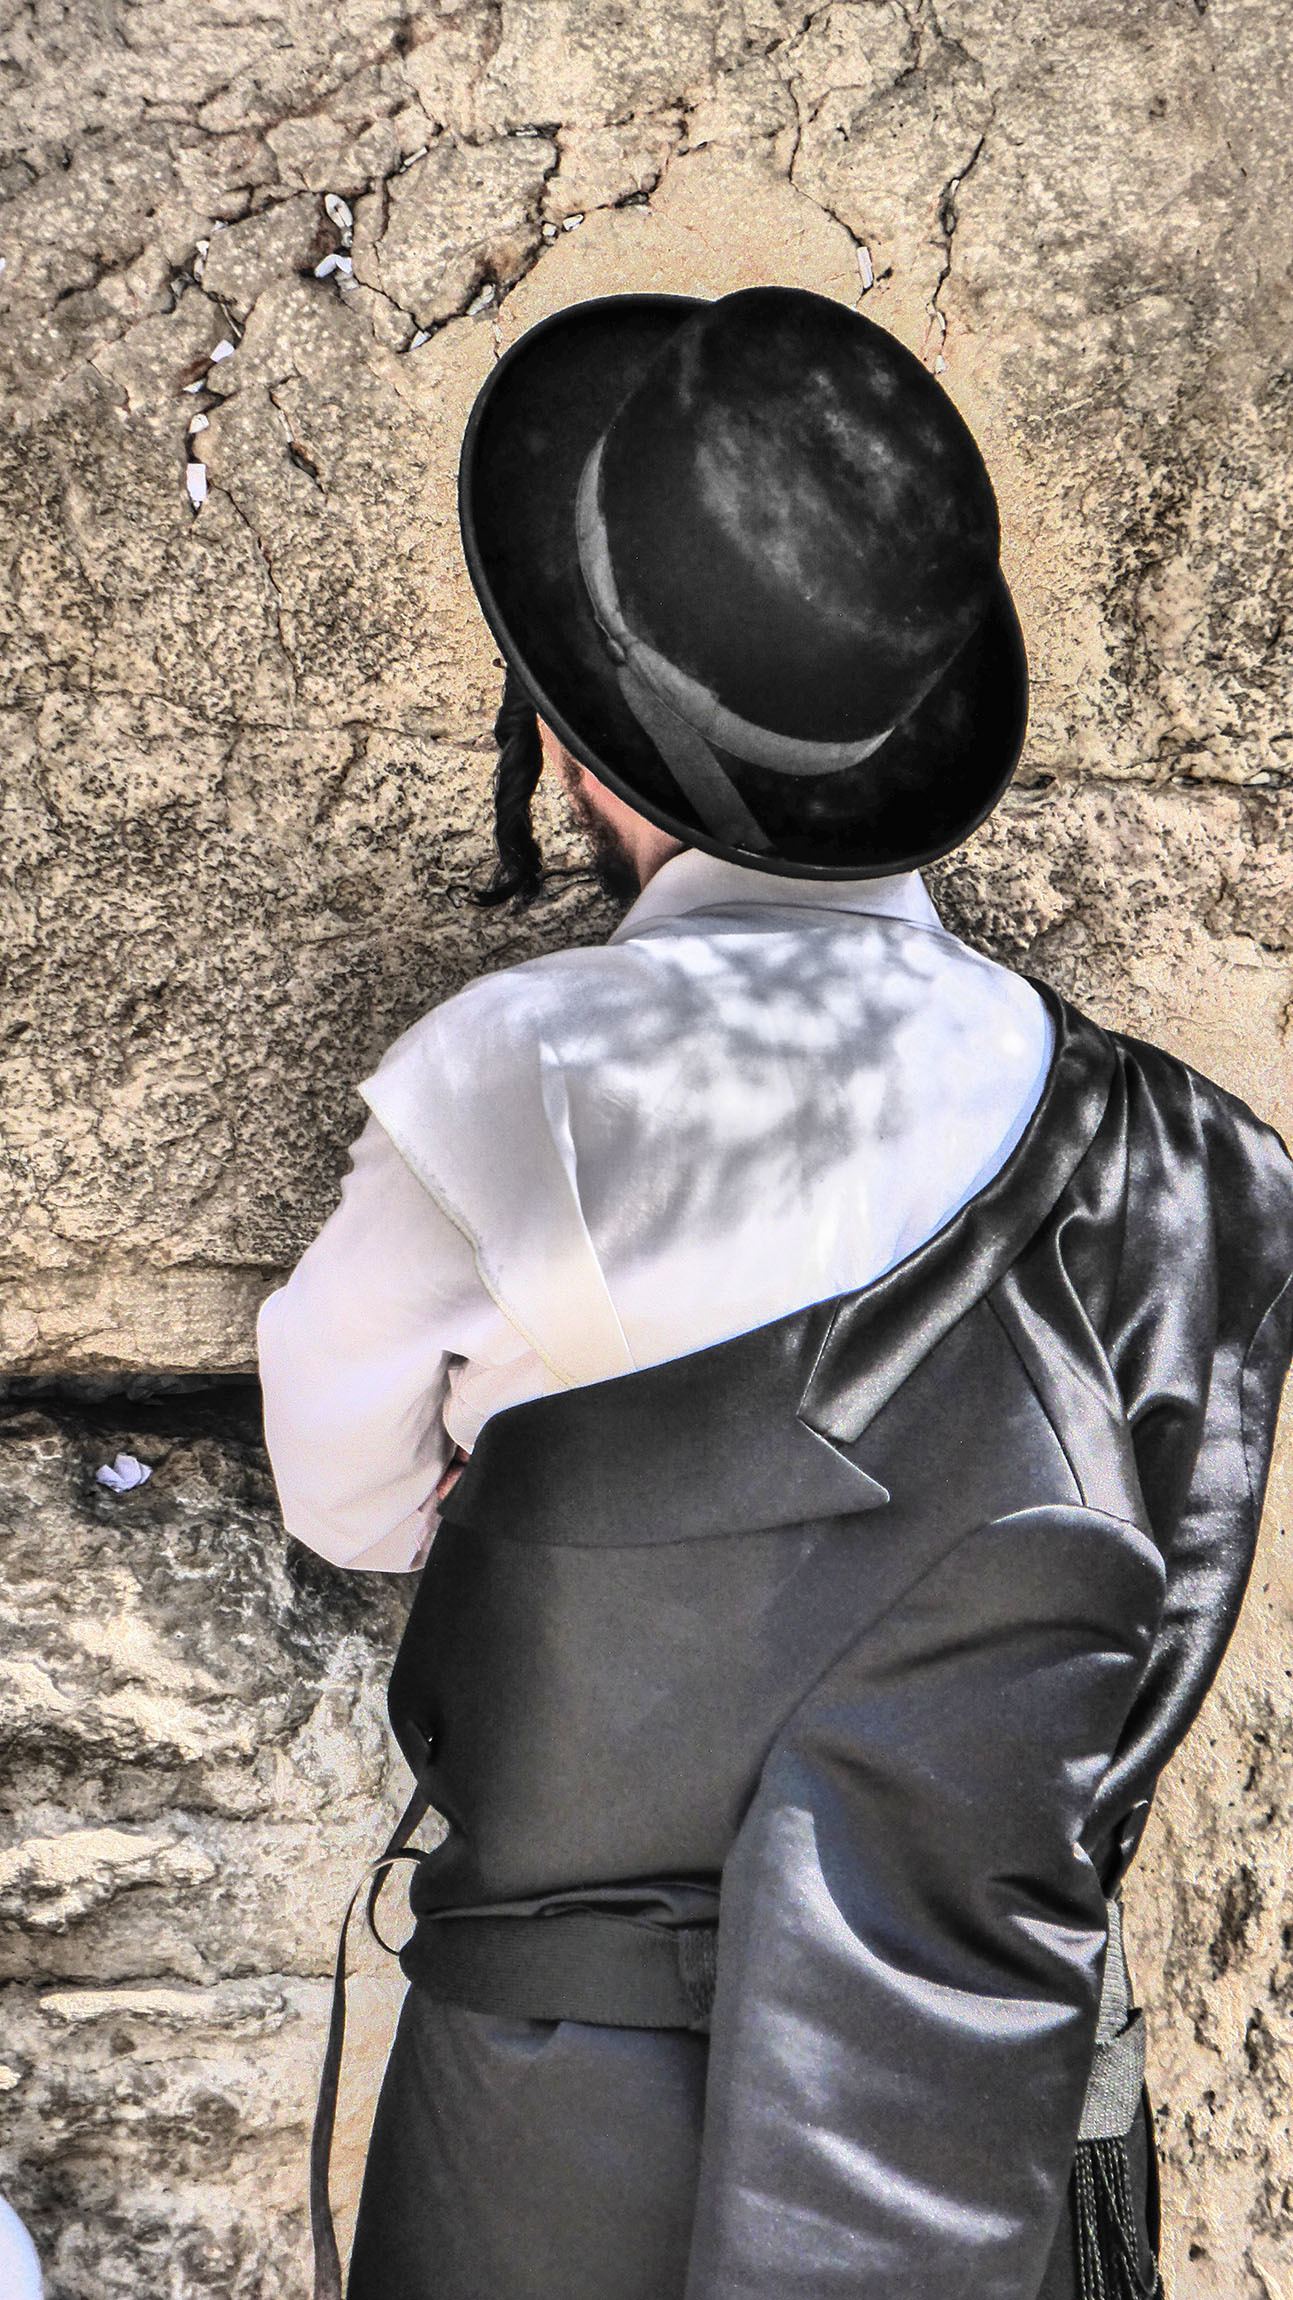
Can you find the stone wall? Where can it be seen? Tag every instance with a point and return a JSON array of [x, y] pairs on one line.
[[196, 1769], [257, 262]]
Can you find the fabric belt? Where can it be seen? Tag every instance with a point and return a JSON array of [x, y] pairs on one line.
[[621, 1971], [583, 1965]]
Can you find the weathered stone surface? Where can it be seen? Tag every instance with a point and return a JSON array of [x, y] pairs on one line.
[[1066, 213], [316, 598], [1163, 911], [458, 218], [241, 262], [248, 769], [195, 1770], [583, 62], [1211, 1929], [893, 114], [600, 167]]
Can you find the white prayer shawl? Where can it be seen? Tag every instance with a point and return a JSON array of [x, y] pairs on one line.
[[760, 1091]]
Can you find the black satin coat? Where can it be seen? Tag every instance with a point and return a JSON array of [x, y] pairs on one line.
[[880, 1621]]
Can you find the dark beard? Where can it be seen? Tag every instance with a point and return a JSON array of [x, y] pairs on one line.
[[613, 866]]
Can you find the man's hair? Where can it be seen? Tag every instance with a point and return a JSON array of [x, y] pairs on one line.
[[519, 870]]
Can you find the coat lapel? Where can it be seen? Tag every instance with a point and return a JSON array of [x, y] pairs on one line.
[[672, 1452]]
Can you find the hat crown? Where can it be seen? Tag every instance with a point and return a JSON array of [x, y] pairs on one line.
[[716, 555], [797, 515]]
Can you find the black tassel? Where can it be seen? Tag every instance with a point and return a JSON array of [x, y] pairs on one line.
[[1104, 2214]]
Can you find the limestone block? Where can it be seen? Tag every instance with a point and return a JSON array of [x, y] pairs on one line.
[[1122, 344], [114, 1027], [751, 107], [69, 225], [162, 354], [48, 1883], [581, 62], [121, 600], [321, 153], [250, 256], [191, 687], [452, 220], [600, 167], [446, 67], [196, 1770], [891, 117]]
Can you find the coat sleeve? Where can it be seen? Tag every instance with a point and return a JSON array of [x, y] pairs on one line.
[[1199, 1336], [912, 1933]]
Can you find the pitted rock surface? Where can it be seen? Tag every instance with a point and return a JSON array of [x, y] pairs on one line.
[[196, 1771]]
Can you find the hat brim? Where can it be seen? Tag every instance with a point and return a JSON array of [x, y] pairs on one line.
[[533, 424]]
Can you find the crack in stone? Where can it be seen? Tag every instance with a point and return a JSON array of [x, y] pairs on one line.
[[482, 278], [281, 609], [320, 723], [948, 218], [296, 453], [781, 51], [103, 271], [105, 1395]]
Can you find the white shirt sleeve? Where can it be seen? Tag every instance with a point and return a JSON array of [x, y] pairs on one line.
[[20, 2277], [354, 1363]]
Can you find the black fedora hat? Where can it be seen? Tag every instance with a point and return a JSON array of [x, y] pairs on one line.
[[743, 555]]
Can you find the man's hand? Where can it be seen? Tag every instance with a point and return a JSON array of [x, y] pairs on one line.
[[452, 1473]]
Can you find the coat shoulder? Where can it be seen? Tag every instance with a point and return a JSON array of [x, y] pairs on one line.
[[1199, 1145], [1170, 1080], [1230, 1132]]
